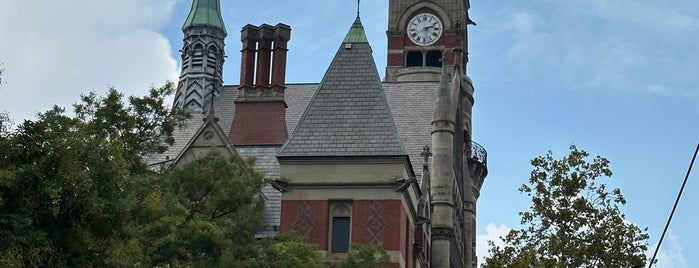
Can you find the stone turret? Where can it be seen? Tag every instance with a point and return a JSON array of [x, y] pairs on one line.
[[202, 56], [442, 174]]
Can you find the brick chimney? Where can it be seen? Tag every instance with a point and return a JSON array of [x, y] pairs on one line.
[[248, 36], [260, 109]]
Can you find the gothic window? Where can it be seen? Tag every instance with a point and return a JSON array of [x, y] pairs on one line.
[[198, 57], [211, 58], [340, 226], [212, 51]]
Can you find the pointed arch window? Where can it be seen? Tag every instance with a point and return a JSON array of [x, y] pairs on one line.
[[198, 56], [211, 58]]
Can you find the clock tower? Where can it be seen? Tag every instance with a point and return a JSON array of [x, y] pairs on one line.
[[421, 33]]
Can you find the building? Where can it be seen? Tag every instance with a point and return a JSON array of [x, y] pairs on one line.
[[352, 159]]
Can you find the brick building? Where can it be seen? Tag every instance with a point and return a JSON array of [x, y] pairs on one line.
[[352, 159]]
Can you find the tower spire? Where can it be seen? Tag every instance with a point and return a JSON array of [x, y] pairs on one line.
[[205, 12], [203, 54], [358, 8], [356, 33]]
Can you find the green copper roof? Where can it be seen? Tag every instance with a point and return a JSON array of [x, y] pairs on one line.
[[356, 33], [205, 12]]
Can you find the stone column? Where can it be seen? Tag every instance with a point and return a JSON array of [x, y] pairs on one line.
[[442, 175]]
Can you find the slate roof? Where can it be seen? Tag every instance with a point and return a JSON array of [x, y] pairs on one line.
[[411, 105], [348, 114]]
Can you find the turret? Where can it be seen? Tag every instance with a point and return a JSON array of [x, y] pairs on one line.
[[202, 56], [442, 174]]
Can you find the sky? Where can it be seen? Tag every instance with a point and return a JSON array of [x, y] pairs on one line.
[[616, 78]]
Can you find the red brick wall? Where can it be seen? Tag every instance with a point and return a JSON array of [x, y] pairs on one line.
[[259, 123], [317, 213], [397, 234], [390, 210]]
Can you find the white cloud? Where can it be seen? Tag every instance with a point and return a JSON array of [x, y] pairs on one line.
[[492, 233], [670, 254], [53, 51]]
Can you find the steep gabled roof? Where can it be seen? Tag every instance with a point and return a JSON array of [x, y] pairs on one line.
[[205, 12], [208, 137], [349, 114]]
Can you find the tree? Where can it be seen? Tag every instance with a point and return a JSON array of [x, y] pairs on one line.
[[63, 178], [282, 251], [574, 221], [201, 214], [75, 192], [365, 256]]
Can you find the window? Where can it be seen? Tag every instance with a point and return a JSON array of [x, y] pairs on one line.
[[340, 234], [340, 226], [430, 58], [413, 59], [433, 58]]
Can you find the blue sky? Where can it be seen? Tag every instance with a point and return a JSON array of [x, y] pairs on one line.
[[616, 78]]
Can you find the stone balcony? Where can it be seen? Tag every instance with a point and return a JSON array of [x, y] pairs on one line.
[[477, 158]]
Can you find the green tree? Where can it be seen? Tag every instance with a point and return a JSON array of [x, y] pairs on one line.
[[200, 214], [365, 256], [63, 178], [282, 251], [574, 221], [75, 192]]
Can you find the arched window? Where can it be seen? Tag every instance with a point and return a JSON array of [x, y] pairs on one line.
[[213, 52], [198, 57]]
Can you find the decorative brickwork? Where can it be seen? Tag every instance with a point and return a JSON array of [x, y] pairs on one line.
[[303, 224], [375, 224]]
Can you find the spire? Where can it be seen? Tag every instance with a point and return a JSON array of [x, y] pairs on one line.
[[205, 12], [356, 33], [349, 115], [203, 55]]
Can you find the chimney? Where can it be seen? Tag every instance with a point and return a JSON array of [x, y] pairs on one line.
[[248, 36], [264, 55], [260, 109], [282, 34]]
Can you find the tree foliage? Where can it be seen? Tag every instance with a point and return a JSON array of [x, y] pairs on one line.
[[63, 178], [75, 192], [365, 256], [199, 215], [574, 221]]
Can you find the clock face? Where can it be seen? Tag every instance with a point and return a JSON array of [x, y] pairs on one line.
[[424, 29]]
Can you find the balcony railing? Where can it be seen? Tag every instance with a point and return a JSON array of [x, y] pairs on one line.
[[476, 151]]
